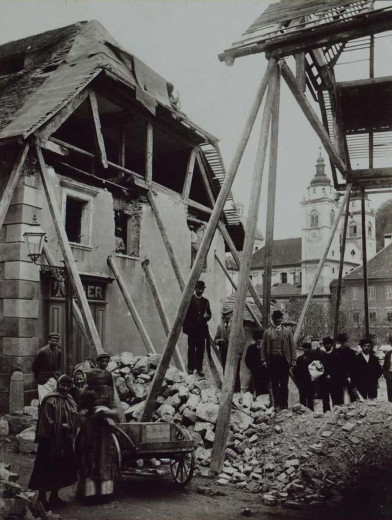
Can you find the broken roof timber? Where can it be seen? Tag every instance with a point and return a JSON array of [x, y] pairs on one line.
[[313, 37]]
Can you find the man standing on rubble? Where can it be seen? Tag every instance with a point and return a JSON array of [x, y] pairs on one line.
[[279, 355], [196, 327], [46, 366], [387, 369], [366, 370], [222, 335], [347, 360]]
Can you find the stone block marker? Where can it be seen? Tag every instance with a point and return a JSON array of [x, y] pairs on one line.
[[16, 399]]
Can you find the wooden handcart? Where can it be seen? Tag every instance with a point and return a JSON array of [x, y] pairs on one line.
[[159, 440]]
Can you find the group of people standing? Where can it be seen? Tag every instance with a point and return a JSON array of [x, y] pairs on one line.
[[74, 429]]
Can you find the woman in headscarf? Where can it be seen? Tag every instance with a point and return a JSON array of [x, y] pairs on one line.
[[54, 466], [79, 384], [95, 447]]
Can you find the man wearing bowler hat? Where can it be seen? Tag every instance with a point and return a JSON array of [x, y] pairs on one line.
[[196, 327], [46, 366]]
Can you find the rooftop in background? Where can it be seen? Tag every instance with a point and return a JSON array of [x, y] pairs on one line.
[[284, 252], [378, 268]]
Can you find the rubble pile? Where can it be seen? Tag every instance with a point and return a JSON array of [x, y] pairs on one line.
[[299, 457]]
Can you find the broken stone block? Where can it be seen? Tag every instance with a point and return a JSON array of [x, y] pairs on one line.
[[203, 456], [207, 412], [4, 427], [210, 395], [19, 422], [134, 411], [173, 375], [127, 359], [124, 371], [32, 411], [174, 401], [166, 409], [202, 427], [240, 419], [154, 359], [348, 427], [222, 482], [111, 366], [26, 441], [141, 366], [269, 500], [209, 436], [229, 470], [121, 387], [247, 400], [230, 454], [197, 438], [188, 417], [193, 401]]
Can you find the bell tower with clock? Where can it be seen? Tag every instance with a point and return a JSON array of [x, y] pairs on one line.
[[319, 210]]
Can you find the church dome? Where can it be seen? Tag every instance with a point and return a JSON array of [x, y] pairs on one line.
[[320, 178]]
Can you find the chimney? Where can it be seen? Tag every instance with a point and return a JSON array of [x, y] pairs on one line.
[[387, 239]]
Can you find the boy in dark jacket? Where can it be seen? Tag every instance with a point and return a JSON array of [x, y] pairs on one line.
[[367, 370], [253, 362], [302, 376]]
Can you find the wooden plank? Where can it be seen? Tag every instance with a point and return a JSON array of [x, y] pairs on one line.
[[269, 233], [312, 118], [364, 264], [121, 153], [204, 248], [165, 237], [12, 181], [223, 419], [131, 306], [149, 152], [70, 264], [189, 174], [57, 120], [341, 266], [321, 264], [75, 309], [161, 310], [235, 287], [300, 71], [97, 131]]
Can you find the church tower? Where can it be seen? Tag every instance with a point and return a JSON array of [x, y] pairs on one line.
[[354, 230], [320, 206]]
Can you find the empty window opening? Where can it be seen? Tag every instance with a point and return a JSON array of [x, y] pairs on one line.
[[198, 191], [353, 230], [73, 219], [283, 277], [120, 231], [373, 316]]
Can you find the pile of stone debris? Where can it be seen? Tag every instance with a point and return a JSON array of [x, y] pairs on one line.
[[16, 503], [296, 457]]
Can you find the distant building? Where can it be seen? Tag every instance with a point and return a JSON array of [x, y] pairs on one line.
[[295, 260], [379, 293]]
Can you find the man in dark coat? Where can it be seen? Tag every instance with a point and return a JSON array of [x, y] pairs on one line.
[[331, 381], [367, 370], [347, 360], [222, 335], [196, 327], [302, 376], [279, 354], [253, 363], [46, 366], [387, 369]]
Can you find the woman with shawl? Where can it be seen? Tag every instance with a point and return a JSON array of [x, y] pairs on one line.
[[79, 384], [54, 466], [95, 447]]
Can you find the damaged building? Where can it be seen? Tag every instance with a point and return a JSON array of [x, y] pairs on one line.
[[95, 149]]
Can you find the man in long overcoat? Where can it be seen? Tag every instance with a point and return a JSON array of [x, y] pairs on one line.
[[279, 354], [367, 370]]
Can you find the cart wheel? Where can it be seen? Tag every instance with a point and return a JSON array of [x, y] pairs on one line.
[[182, 468]]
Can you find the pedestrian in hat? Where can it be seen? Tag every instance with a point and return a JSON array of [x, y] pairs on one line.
[[279, 355], [46, 366], [196, 327], [366, 370], [302, 376], [330, 382], [102, 365], [387, 369], [223, 333], [347, 359]]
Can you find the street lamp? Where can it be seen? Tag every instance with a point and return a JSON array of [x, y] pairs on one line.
[[34, 237]]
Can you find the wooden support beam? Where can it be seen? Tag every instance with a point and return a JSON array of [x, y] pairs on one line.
[[312, 118], [70, 264], [62, 115], [149, 152], [169, 248], [341, 266], [321, 264], [223, 419], [12, 181], [131, 306], [364, 263], [204, 248], [234, 285], [269, 233], [300, 71], [189, 174], [121, 152], [161, 310], [97, 133]]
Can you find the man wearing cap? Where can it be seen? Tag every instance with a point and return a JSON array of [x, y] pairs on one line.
[[196, 327], [279, 354], [46, 366], [366, 370], [387, 369], [223, 333]]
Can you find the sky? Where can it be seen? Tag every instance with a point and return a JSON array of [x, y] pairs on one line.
[[181, 39]]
